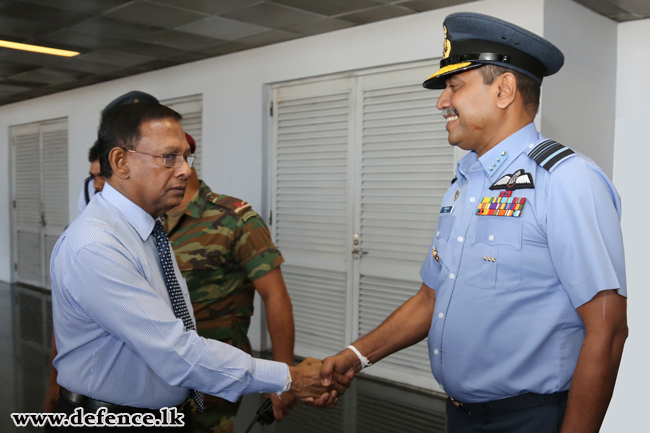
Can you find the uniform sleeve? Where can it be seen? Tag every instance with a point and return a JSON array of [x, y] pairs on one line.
[[254, 248], [584, 231]]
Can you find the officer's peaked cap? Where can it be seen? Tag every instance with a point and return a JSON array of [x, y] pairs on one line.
[[132, 97], [473, 40]]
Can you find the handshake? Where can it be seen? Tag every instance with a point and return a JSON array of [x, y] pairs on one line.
[[320, 383]]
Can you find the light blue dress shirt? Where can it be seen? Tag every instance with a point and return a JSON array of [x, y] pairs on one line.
[[117, 338], [507, 288]]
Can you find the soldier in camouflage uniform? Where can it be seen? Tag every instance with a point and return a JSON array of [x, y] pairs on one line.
[[225, 252]]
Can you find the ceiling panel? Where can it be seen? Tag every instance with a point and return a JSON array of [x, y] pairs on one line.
[[378, 13], [116, 58], [150, 50], [330, 7], [213, 7], [272, 15], [50, 75], [182, 40], [618, 10], [154, 14], [26, 29], [320, 26], [83, 6], [272, 37], [105, 26], [74, 38], [42, 14], [119, 38], [223, 28], [8, 69]]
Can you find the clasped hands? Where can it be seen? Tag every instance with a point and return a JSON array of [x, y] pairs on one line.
[[320, 383]]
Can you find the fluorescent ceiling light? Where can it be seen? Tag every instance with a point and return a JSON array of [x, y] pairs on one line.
[[37, 49]]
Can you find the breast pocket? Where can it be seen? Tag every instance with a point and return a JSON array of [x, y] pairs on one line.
[[494, 257]]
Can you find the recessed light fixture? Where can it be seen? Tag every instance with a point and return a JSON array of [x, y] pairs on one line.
[[38, 49]]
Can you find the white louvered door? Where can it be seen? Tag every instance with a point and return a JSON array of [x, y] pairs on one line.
[[405, 164], [191, 108], [40, 196], [362, 156], [311, 208]]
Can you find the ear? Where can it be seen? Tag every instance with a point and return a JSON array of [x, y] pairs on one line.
[[506, 90], [117, 159]]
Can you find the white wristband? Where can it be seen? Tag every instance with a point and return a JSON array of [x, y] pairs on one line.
[[365, 362]]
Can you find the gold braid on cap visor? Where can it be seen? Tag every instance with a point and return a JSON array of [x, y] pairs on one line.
[[450, 68]]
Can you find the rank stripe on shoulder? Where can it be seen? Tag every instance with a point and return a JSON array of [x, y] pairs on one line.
[[549, 153]]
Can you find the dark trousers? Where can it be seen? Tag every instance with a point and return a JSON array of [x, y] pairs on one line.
[[65, 406], [540, 416]]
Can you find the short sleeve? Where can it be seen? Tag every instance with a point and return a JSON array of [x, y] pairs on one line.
[[253, 247], [584, 231]]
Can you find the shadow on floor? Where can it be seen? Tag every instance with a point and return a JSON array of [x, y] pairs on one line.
[[369, 406]]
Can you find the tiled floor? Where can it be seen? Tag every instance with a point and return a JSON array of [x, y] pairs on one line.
[[367, 407]]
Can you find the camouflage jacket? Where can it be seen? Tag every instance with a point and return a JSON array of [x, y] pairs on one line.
[[221, 246]]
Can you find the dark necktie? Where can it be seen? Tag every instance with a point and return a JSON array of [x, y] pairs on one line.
[[174, 289]]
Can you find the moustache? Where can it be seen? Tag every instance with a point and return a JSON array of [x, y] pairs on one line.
[[451, 111]]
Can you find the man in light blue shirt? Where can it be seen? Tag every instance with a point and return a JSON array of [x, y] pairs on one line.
[[120, 345], [524, 294]]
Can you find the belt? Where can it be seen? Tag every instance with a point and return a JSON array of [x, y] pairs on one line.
[[92, 404], [511, 404]]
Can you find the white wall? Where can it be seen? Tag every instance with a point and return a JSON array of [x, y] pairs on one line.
[[578, 102], [628, 410], [233, 88]]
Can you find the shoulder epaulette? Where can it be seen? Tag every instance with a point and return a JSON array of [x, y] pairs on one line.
[[550, 153], [239, 207]]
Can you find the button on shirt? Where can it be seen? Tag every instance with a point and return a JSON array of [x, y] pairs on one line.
[[117, 338], [507, 288]]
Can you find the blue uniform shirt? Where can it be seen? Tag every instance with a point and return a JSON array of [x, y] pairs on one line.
[[507, 288], [117, 337]]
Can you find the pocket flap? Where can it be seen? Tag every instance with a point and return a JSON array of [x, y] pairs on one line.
[[499, 231], [445, 224]]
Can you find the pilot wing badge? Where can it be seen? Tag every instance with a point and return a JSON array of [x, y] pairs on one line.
[[518, 180]]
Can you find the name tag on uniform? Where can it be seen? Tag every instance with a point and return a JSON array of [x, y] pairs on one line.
[[446, 209]]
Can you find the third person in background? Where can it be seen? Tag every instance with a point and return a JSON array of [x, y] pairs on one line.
[[225, 253]]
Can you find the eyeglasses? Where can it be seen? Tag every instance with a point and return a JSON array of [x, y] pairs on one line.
[[171, 160]]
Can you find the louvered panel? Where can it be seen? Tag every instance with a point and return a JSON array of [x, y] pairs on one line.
[[376, 415], [405, 171], [55, 175], [191, 108], [27, 179], [193, 125], [311, 179], [378, 298], [318, 299], [29, 257], [50, 242]]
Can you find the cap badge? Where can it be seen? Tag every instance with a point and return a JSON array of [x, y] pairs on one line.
[[446, 47], [136, 100]]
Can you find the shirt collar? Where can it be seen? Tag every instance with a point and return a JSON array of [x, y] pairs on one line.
[[140, 220], [501, 156]]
